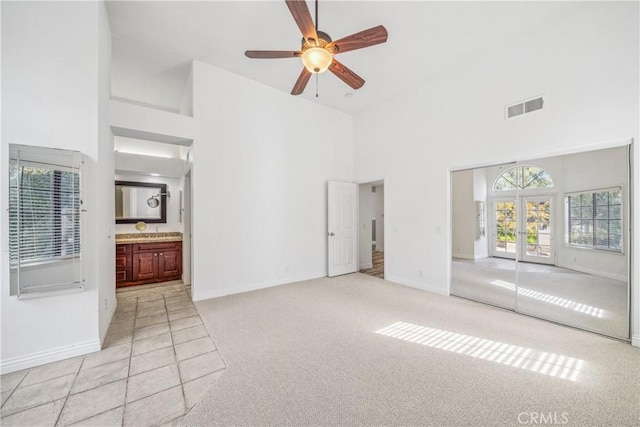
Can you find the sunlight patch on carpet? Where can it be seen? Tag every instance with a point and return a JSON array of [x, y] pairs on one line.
[[545, 363], [552, 299]]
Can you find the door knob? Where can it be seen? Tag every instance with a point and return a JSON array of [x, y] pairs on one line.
[[331, 234]]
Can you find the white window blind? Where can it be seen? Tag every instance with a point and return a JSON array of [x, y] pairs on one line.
[[44, 219]]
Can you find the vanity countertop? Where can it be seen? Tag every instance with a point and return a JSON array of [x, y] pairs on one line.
[[172, 236]]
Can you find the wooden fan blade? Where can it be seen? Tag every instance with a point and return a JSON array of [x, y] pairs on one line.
[[301, 83], [268, 54], [366, 38], [302, 16], [346, 75]]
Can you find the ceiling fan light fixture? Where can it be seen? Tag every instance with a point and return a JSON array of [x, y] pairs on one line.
[[316, 59]]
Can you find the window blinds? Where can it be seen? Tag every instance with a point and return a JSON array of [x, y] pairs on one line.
[[44, 218], [594, 219]]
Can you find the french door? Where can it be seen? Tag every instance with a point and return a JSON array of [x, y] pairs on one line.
[[536, 231], [505, 230], [523, 228]]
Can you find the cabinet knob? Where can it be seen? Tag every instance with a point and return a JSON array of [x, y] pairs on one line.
[[160, 253], [155, 254]]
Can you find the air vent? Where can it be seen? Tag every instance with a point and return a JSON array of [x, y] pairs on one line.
[[524, 107], [515, 110]]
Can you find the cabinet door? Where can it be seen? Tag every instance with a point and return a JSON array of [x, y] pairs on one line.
[[145, 265], [123, 264], [170, 264]]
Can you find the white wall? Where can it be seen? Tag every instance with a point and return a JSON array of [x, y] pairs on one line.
[[587, 65], [591, 171], [462, 215], [260, 166], [54, 60], [480, 244], [379, 215], [365, 214], [106, 258], [174, 186]]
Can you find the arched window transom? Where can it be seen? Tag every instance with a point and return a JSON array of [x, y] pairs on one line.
[[522, 178]]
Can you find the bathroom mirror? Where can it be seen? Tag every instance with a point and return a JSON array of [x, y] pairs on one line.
[[140, 201]]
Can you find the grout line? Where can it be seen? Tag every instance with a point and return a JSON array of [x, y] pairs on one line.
[[126, 388], [66, 399], [100, 413], [175, 354], [16, 387]]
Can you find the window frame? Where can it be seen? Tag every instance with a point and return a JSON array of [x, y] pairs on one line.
[[592, 246], [518, 169], [46, 257]]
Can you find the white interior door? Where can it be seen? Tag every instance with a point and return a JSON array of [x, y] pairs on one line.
[[342, 233]]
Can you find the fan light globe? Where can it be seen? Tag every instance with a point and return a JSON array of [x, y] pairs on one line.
[[316, 59]]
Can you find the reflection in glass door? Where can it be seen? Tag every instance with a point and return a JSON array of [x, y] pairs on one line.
[[536, 230], [555, 250], [505, 236]]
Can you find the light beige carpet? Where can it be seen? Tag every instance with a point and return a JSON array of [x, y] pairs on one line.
[[357, 350]]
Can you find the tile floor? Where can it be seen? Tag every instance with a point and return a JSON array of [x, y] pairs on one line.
[[157, 361]]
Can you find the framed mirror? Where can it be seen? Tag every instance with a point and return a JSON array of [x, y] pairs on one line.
[[140, 201]]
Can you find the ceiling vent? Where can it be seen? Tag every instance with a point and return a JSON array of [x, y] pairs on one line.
[[524, 107]]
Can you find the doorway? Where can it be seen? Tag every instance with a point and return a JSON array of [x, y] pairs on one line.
[[523, 227], [372, 228]]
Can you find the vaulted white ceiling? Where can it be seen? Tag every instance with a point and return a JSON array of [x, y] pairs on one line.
[[153, 42]]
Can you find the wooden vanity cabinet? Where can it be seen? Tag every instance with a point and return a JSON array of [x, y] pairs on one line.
[[124, 267], [150, 263]]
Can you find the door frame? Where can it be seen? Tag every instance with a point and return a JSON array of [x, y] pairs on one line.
[[494, 231], [522, 221], [383, 182], [520, 217]]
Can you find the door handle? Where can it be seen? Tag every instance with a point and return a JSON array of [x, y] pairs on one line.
[[331, 234]]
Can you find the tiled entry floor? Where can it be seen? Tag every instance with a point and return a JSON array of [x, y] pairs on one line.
[[157, 362]]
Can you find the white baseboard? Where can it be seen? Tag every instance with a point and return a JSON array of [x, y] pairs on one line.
[[463, 256], [43, 357], [107, 321], [415, 284], [215, 293], [622, 278], [635, 340], [363, 266]]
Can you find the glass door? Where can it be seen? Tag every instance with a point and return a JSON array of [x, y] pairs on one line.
[[483, 239], [505, 225], [535, 229], [557, 238]]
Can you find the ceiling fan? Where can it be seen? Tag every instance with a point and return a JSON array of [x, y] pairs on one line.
[[318, 50]]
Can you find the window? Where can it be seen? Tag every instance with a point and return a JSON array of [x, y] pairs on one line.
[[594, 219], [522, 178], [44, 219]]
